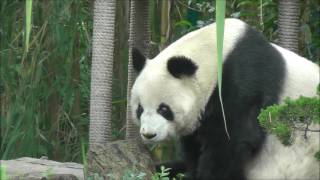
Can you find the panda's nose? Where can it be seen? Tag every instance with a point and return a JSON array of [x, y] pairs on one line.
[[149, 135]]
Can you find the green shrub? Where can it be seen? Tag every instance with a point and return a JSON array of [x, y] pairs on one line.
[[164, 173], [282, 119]]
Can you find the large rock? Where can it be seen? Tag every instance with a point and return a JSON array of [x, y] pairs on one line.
[[41, 169], [120, 159]]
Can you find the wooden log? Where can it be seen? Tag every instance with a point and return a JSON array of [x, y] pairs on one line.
[[41, 169]]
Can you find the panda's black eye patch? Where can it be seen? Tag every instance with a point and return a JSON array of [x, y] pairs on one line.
[[165, 111], [139, 111]]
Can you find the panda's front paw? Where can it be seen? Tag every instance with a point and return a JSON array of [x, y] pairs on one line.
[[205, 175], [188, 176]]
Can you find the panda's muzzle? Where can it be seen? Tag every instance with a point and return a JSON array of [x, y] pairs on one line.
[[149, 135]]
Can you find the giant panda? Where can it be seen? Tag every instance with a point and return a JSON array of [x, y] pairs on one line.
[[175, 95]]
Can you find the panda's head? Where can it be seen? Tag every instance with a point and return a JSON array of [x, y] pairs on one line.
[[164, 96]]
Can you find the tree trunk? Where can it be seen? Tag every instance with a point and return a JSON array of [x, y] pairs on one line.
[[138, 38], [101, 75], [289, 11], [165, 24], [119, 87]]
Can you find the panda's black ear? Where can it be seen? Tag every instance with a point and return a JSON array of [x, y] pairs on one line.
[[181, 66], [138, 60]]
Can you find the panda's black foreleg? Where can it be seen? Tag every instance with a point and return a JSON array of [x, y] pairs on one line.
[[227, 163], [190, 150]]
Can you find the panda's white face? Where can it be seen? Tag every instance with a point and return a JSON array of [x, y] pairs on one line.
[[163, 105]]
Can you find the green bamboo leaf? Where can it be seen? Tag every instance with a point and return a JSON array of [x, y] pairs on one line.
[[220, 15], [3, 172], [28, 23]]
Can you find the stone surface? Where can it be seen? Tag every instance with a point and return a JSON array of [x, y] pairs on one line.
[[120, 159], [41, 169]]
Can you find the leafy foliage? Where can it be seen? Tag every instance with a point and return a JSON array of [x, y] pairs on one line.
[[135, 174], [283, 119], [128, 175], [317, 155], [45, 92], [164, 173], [95, 176]]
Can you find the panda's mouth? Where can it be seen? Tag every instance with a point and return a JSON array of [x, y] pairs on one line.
[[155, 140], [154, 136], [148, 136], [155, 129], [150, 141]]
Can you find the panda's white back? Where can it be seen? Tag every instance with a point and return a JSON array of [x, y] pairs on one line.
[[298, 69], [296, 161]]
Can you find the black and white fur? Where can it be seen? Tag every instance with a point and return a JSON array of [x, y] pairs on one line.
[[175, 95]]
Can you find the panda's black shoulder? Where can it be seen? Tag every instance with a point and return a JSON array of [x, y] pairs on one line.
[[253, 78], [253, 68]]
